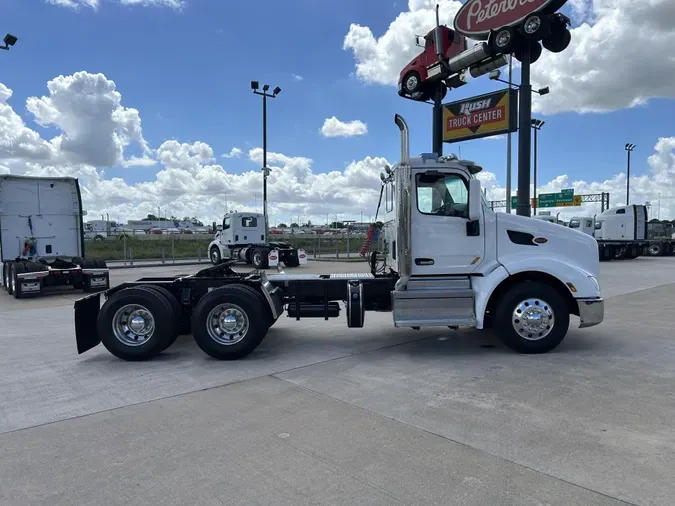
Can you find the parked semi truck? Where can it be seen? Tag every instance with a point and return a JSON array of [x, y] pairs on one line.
[[243, 238], [448, 261], [42, 237], [621, 232]]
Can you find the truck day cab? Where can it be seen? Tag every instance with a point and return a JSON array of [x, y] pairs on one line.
[[448, 261], [242, 237]]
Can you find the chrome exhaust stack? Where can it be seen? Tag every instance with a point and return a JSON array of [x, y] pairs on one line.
[[403, 207]]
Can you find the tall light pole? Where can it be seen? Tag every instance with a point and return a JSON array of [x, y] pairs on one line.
[[536, 126], [629, 149], [8, 41], [265, 169]]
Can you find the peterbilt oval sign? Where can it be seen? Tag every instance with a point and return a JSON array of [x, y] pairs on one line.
[[477, 18]]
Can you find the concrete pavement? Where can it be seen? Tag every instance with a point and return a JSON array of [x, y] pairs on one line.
[[321, 414]]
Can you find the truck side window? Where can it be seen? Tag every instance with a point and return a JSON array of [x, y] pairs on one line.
[[226, 223], [589, 223], [249, 222], [445, 195], [620, 211]]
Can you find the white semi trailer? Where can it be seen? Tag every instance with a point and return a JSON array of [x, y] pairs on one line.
[[448, 260], [42, 237]]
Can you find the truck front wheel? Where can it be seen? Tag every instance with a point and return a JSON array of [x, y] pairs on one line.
[[215, 255], [412, 82], [531, 317]]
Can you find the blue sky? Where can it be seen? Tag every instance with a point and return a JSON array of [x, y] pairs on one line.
[[188, 72]]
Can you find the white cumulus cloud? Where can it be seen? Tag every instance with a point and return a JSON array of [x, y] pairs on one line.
[[234, 153], [333, 127]]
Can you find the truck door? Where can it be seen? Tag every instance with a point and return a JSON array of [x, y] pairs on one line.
[[441, 243]]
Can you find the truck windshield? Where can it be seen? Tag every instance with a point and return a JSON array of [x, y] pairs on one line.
[[575, 223]]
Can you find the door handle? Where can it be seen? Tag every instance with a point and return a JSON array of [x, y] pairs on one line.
[[424, 261]]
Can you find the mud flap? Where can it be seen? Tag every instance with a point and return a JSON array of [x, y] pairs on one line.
[[302, 256], [86, 317], [273, 258]]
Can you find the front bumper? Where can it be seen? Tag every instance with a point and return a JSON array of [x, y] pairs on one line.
[[591, 312]]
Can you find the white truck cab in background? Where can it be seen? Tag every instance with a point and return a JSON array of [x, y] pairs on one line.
[[242, 237]]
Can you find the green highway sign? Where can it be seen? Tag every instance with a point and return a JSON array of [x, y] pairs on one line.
[[564, 198]]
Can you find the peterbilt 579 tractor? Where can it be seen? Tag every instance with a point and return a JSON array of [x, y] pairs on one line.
[[448, 261]]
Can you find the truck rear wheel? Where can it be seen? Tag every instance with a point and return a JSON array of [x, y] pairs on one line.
[[181, 326], [5, 277], [226, 323], [136, 324], [259, 258], [531, 317]]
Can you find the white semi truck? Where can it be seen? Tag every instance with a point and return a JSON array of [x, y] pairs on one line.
[[42, 237], [621, 232], [243, 238], [448, 261]]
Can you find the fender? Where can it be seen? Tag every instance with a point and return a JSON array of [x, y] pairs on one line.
[[565, 272]]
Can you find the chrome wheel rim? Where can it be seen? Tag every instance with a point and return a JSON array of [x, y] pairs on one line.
[[13, 281], [533, 319], [532, 25], [133, 325], [214, 256], [411, 83], [227, 324], [257, 258], [503, 38]]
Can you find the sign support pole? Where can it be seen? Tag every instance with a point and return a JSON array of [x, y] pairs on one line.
[[524, 134], [438, 120], [508, 146]]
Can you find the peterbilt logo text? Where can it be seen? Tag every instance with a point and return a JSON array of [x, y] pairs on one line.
[[493, 9], [469, 107]]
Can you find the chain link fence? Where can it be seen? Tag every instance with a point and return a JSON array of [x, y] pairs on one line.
[[168, 248]]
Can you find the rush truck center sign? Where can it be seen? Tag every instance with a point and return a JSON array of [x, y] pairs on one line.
[[490, 114]]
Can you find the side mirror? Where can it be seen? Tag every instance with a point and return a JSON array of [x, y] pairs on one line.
[[474, 199]]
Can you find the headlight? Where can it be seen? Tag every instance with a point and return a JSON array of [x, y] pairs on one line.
[[594, 282]]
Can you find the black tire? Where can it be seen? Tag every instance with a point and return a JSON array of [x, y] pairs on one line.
[[18, 268], [266, 312], [539, 32], [7, 276], [504, 41], [160, 310], [412, 82], [214, 255], [506, 310], [292, 262], [100, 264], [535, 52], [260, 258], [78, 261], [655, 249], [558, 40], [181, 326], [244, 303]]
